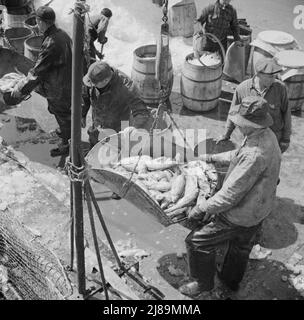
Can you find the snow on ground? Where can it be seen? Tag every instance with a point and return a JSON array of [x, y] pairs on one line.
[[15, 185], [137, 22]]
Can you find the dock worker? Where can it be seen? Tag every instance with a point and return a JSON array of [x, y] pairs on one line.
[[114, 98], [235, 213], [218, 19], [96, 31], [51, 75], [265, 84]]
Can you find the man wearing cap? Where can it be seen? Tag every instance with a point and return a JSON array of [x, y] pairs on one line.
[[52, 74], [218, 18], [97, 31], [265, 84], [114, 98], [235, 213]]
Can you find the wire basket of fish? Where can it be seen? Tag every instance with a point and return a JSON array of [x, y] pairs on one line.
[[159, 183]]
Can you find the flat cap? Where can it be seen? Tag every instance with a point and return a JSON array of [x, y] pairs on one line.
[[45, 13], [98, 71], [267, 66], [253, 111]]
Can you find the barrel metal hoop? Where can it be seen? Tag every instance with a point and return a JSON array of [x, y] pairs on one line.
[[199, 100], [202, 81], [296, 99], [296, 81], [148, 74]]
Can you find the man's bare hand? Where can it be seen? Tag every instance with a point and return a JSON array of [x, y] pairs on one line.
[[221, 138]]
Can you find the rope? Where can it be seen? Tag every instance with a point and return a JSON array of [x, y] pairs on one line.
[[165, 11], [76, 174]]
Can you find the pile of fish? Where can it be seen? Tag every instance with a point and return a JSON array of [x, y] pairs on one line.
[[207, 59], [175, 187]]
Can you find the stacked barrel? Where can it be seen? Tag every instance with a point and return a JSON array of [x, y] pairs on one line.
[[286, 50]]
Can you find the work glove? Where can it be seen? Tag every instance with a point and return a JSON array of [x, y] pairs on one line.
[[284, 146], [103, 41]]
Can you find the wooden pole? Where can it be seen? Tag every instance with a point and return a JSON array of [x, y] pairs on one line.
[[77, 74]]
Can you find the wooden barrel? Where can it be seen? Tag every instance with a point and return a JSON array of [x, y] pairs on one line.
[[200, 86], [295, 89], [143, 74], [268, 43], [15, 38], [32, 47], [292, 62], [181, 18]]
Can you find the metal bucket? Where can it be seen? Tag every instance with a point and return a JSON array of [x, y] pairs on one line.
[[32, 24], [15, 38], [32, 47], [144, 71]]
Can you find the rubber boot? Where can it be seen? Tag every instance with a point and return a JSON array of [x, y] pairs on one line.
[[202, 270]]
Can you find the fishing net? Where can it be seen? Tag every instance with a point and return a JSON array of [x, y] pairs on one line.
[[28, 271]]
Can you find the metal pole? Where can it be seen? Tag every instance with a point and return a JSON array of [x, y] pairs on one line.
[[72, 234], [91, 216], [77, 73], [104, 226]]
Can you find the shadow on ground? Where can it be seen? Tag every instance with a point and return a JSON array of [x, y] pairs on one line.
[[278, 229], [218, 113], [264, 280]]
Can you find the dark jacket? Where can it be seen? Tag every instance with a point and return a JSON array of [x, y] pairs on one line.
[[219, 21], [117, 102], [53, 71]]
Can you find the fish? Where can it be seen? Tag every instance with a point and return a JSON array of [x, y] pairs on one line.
[[162, 186], [177, 190], [190, 195], [162, 163], [136, 163]]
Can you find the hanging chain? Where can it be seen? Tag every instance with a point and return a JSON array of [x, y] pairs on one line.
[[165, 11]]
